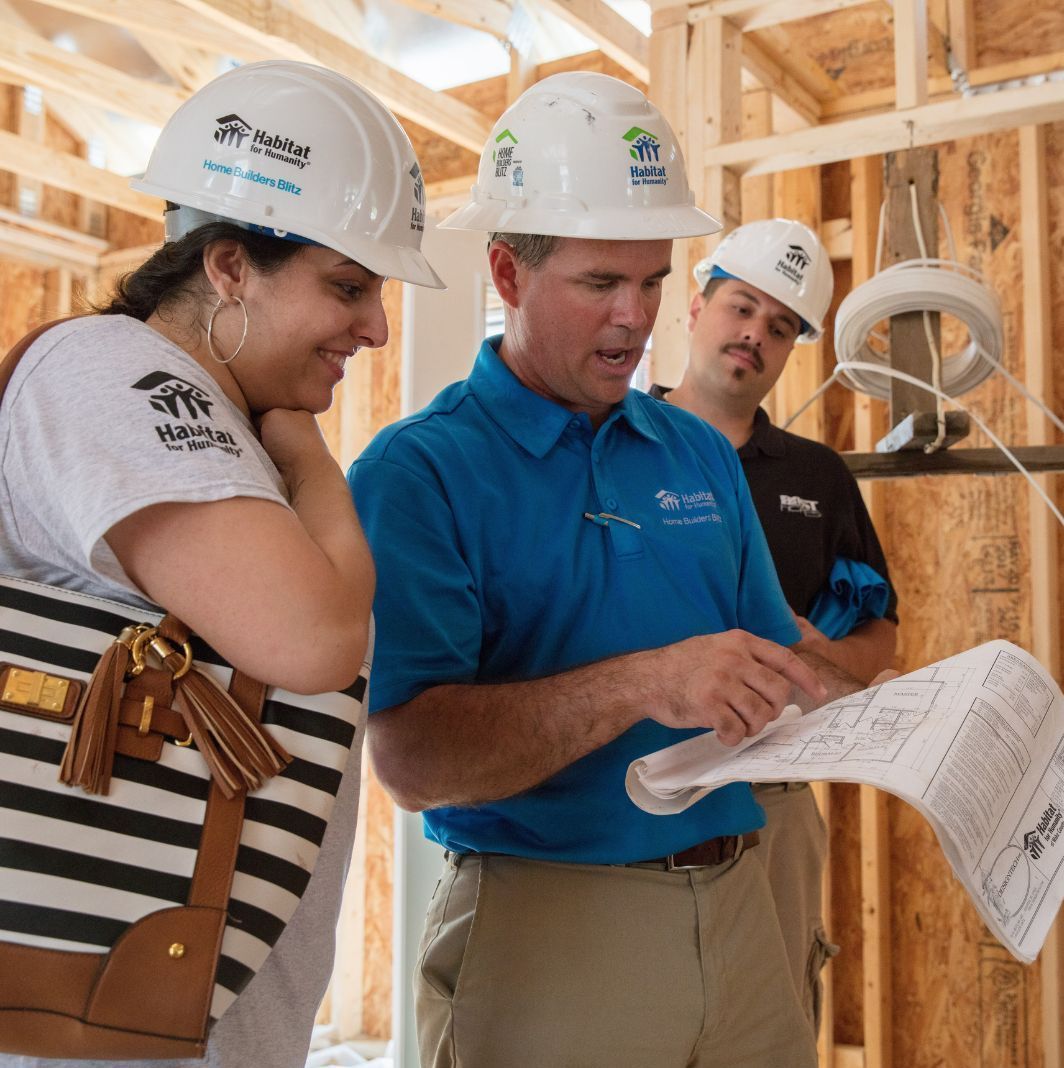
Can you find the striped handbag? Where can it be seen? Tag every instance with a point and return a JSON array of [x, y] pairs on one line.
[[119, 934], [135, 910]]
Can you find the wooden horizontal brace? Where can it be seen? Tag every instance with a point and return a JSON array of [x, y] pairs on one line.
[[74, 175], [926, 125], [1036, 458], [757, 14]]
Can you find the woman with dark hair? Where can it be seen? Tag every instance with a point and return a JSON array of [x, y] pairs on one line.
[[164, 451]]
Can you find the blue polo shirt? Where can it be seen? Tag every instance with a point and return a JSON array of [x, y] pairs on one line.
[[488, 571]]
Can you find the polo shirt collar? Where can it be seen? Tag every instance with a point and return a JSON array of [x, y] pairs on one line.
[[534, 422], [766, 438]]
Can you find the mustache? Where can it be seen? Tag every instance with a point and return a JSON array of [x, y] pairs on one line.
[[748, 350]]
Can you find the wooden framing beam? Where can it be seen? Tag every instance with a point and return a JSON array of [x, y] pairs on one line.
[[927, 125], [962, 33], [848, 106], [1044, 532], [63, 171], [910, 53], [166, 19], [757, 14], [668, 89], [281, 32], [39, 62], [875, 928], [783, 85], [825, 1040], [1038, 459], [615, 36], [47, 244], [490, 16], [248, 30], [797, 196]]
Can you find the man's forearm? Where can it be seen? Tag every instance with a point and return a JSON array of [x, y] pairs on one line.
[[470, 744], [836, 680], [864, 652]]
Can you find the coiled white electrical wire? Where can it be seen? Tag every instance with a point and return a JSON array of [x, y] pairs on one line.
[[925, 285], [920, 285]]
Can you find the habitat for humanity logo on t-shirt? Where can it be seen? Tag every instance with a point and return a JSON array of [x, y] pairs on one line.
[[186, 406]]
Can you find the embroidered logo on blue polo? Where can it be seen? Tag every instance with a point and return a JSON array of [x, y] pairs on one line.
[[686, 509], [789, 503]]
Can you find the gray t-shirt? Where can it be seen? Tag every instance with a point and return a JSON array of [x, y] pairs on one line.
[[103, 417]]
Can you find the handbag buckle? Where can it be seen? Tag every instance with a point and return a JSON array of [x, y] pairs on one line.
[[35, 690]]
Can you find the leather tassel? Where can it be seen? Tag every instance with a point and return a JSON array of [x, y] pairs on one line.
[[90, 751], [238, 752]]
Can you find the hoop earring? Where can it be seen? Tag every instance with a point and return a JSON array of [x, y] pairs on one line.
[[210, 327]]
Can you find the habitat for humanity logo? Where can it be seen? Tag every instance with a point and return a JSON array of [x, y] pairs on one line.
[[233, 131], [793, 262], [183, 402], [1046, 832], [645, 149], [700, 502], [417, 212]]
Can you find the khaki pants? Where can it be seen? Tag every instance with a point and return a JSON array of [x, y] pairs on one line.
[[793, 850], [529, 964]]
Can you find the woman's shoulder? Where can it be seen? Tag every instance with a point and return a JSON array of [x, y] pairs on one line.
[[82, 355]]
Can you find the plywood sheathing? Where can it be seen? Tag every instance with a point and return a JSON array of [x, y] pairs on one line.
[[1005, 30], [959, 556]]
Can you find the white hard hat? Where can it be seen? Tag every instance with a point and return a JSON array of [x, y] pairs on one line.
[[583, 155], [782, 258], [297, 150]]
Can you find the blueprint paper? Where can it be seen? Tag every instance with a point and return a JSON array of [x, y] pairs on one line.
[[974, 742]]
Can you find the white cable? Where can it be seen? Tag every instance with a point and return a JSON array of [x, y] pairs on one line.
[[920, 285], [890, 372]]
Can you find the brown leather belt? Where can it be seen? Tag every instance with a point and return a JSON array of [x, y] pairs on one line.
[[706, 854]]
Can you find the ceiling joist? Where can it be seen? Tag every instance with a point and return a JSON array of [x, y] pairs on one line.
[[249, 31], [490, 16], [615, 36], [38, 62], [757, 14], [291, 36]]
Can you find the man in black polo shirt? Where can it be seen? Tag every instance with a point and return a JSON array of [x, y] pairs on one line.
[[768, 285]]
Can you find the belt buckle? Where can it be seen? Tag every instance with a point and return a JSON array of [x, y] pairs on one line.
[[735, 841]]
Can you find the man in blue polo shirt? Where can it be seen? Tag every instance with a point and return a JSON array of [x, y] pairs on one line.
[[572, 575]]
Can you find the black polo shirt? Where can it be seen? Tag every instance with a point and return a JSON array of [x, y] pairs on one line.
[[810, 508]]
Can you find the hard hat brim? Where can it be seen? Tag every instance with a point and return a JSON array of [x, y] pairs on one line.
[[620, 224], [403, 263]]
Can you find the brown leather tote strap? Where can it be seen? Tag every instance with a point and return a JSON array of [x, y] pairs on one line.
[[10, 361], [212, 878]]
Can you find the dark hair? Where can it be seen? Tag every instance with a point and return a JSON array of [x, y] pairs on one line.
[[530, 250], [168, 275], [712, 286]]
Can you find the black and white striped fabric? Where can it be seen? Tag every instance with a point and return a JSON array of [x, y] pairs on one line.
[[77, 869]]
